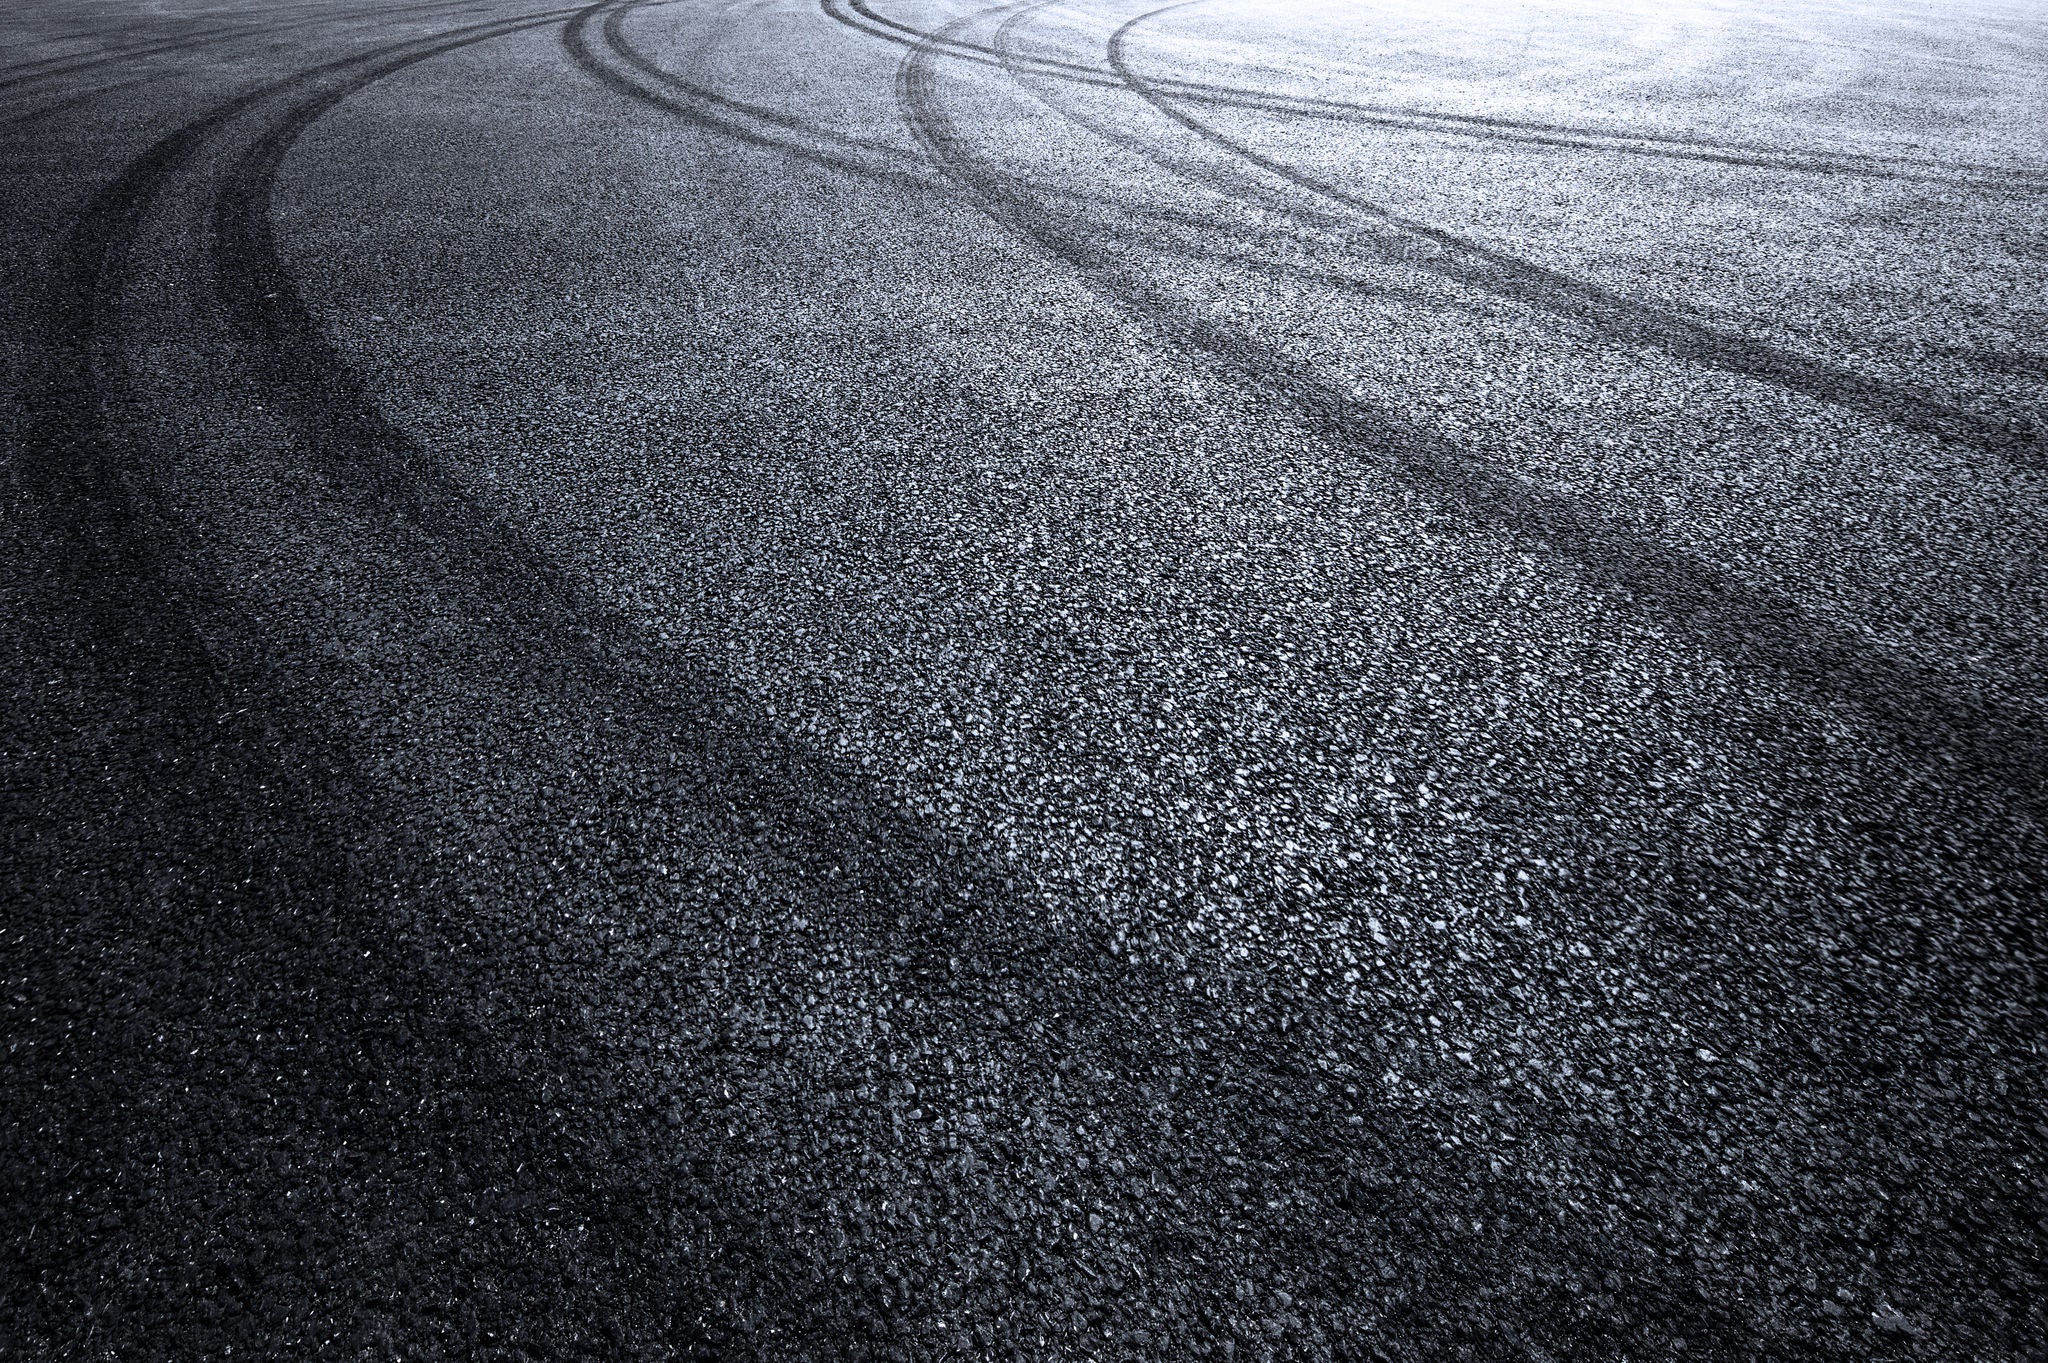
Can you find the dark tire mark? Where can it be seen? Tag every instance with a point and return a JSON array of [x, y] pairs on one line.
[[207, 39], [341, 428], [1396, 1159], [608, 57], [895, 887], [1499, 274], [361, 449], [1612, 315], [605, 52], [1916, 704], [1023, 69], [863, 17], [296, 870], [216, 39], [71, 66], [1069, 959]]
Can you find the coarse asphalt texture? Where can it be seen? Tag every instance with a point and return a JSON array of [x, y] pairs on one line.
[[887, 680]]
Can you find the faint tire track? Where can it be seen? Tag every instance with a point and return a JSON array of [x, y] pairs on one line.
[[248, 777], [207, 38], [840, 823], [862, 16], [924, 900], [598, 43], [1915, 704], [214, 39], [1614, 316], [917, 95], [595, 40], [1374, 1210]]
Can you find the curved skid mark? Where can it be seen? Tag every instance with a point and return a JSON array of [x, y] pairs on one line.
[[1762, 630], [918, 100], [304, 366], [56, 67], [886, 879], [605, 52], [211, 37], [246, 782], [833, 839], [829, 816], [1613, 315], [616, 63], [1161, 1000], [222, 37], [863, 17], [132, 588], [1229, 188]]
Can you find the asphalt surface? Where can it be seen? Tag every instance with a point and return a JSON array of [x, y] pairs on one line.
[[809, 679]]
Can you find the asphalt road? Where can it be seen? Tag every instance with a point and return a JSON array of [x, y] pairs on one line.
[[810, 679]]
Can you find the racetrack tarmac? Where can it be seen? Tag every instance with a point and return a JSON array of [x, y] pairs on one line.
[[881, 679]]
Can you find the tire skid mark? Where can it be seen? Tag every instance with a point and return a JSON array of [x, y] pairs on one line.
[[72, 101], [610, 57], [1473, 264], [956, 897], [605, 52], [1548, 1234], [828, 838], [210, 37], [25, 69], [839, 826], [1405, 1158], [1615, 316], [357, 442], [1523, 282], [219, 38], [1235, 190], [937, 894], [341, 428], [1916, 704], [1022, 67], [310, 372], [863, 17], [248, 777], [73, 441], [56, 67]]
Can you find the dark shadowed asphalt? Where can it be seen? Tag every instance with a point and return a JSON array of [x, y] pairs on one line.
[[871, 679]]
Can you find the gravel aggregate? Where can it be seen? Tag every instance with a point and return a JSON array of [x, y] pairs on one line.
[[871, 679]]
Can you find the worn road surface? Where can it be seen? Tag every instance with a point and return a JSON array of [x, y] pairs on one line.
[[879, 680]]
